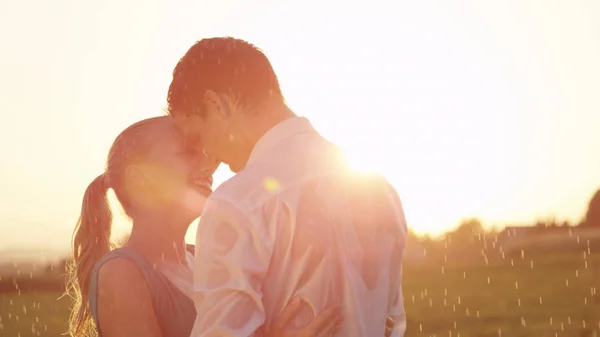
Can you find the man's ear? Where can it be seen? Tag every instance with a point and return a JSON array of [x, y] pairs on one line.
[[217, 104]]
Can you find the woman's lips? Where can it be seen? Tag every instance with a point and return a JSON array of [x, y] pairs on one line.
[[204, 184]]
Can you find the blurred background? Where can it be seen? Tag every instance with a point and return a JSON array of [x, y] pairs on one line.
[[484, 115]]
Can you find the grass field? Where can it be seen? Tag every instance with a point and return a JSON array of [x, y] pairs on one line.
[[533, 296], [537, 297], [33, 314]]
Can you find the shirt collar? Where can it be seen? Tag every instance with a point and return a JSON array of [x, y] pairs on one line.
[[280, 132]]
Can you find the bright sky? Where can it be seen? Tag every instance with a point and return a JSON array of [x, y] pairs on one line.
[[470, 108]]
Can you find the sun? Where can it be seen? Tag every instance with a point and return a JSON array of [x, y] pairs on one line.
[[362, 161]]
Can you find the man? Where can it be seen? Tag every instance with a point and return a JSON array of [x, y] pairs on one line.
[[295, 222]]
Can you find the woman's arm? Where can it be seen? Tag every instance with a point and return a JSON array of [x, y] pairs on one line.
[[325, 324], [124, 301]]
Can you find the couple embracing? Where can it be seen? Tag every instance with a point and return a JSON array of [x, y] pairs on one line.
[[295, 244]]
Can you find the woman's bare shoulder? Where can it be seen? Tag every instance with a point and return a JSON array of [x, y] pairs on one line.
[[124, 300]]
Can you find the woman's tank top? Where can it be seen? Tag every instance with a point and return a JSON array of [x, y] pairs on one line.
[[173, 309]]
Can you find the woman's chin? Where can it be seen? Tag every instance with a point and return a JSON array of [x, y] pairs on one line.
[[193, 200]]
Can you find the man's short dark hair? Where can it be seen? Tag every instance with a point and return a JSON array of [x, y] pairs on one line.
[[223, 65]]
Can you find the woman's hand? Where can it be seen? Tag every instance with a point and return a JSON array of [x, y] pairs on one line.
[[325, 324], [389, 325]]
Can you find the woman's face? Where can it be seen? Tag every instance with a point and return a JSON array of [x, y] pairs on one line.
[[175, 177]]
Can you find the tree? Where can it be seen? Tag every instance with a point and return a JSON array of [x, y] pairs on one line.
[[412, 236], [468, 229], [592, 216], [59, 267]]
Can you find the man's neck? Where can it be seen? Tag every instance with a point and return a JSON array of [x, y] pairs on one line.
[[273, 116]]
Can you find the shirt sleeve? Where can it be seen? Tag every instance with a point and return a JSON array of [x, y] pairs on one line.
[[396, 306], [397, 313], [232, 259]]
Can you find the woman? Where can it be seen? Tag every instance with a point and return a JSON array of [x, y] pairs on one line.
[[140, 289]]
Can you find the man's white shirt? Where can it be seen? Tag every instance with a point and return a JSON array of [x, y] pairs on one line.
[[297, 222]]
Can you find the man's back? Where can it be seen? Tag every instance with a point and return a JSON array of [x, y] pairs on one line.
[[333, 236], [336, 242]]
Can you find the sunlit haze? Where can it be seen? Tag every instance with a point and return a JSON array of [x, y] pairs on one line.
[[470, 108]]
